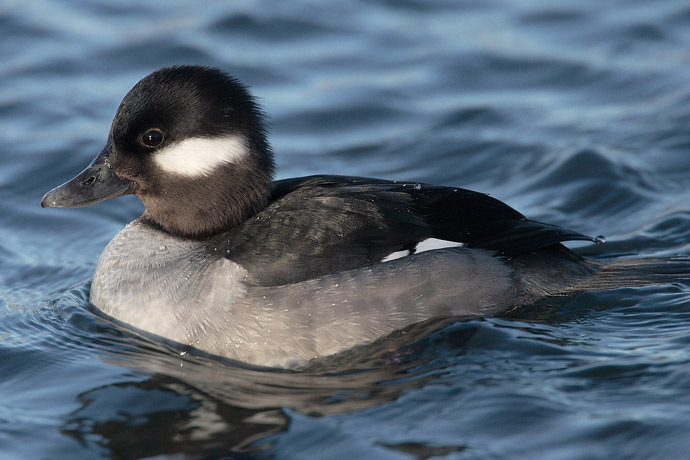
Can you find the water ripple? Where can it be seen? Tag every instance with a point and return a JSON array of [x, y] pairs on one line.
[[574, 113]]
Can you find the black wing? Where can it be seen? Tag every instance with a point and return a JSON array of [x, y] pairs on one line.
[[335, 223]]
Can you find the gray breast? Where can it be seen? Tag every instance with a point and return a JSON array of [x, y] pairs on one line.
[[165, 285], [178, 290]]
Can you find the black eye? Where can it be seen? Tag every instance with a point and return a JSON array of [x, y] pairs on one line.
[[152, 138]]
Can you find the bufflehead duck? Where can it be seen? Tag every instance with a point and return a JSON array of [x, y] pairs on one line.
[[276, 273]]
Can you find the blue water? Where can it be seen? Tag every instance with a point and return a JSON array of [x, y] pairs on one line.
[[574, 112]]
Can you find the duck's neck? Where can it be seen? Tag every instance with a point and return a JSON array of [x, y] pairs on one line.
[[212, 204]]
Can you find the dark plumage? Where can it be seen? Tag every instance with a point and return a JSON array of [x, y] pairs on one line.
[[368, 219]]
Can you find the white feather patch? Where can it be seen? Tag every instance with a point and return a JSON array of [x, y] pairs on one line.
[[395, 255], [199, 156], [425, 245], [434, 243]]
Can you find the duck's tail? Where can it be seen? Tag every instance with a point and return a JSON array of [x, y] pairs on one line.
[[557, 271], [636, 272]]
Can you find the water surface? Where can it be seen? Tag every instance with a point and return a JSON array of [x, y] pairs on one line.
[[575, 113]]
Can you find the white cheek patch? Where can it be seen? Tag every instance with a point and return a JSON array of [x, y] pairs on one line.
[[425, 245], [199, 156]]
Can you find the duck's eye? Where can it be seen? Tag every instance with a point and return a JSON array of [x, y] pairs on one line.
[[152, 138]]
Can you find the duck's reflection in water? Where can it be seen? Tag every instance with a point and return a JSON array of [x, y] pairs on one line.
[[186, 406]]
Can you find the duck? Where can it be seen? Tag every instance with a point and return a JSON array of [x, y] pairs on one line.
[[229, 261]]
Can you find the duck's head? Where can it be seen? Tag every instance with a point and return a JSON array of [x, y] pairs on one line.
[[189, 141]]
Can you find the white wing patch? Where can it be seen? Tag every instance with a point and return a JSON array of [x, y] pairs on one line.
[[429, 244], [434, 243], [396, 255], [199, 156]]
